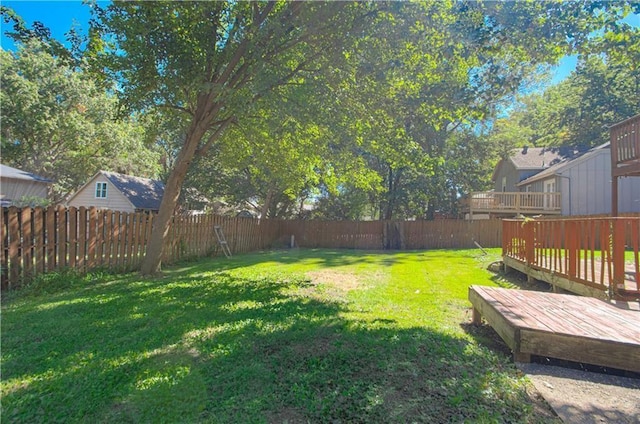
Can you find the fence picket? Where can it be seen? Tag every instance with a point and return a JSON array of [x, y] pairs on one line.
[[27, 242], [122, 258], [14, 245], [92, 237], [50, 238], [61, 242], [73, 236]]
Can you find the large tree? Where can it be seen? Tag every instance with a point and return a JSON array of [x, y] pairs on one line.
[[211, 61], [405, 74], [56, 122], [426, 71], [577, 112]]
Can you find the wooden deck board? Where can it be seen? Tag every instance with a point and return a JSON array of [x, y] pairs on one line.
[[567, 327], [547, 315], [584, 314], [590, 310]]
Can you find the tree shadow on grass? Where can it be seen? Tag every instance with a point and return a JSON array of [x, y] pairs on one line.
[[223, 348], [518, 280]]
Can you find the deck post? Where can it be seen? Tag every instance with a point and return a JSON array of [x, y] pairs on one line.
[[617, 245], [613, 134], [476, 318], [614, 196], [521, 357]]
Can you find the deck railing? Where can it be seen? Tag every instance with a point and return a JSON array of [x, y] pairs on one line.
[[514, 202], [625, 141], [601, 253]]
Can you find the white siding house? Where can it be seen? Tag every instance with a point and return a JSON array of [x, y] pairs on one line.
[[126, 193]]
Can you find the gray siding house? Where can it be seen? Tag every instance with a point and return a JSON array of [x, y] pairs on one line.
[[584, 182], [17, 185], [126, 193], [522, 164]]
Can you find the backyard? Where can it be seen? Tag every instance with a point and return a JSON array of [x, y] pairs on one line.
[[281, 336]]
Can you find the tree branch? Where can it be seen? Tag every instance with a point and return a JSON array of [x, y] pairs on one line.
[[216, 134], [180, 108]]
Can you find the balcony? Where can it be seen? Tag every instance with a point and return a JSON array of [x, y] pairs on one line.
[[625, 147], [513, 203]]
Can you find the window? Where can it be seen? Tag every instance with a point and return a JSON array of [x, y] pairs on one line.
[[101, 190], [504, 184]]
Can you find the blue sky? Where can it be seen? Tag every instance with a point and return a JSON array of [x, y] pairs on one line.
[[60, 16]]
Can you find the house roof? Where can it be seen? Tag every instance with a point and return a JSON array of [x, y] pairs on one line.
[[143, 193], [533, 158], [536, 157], [564, 164], [18, 174]]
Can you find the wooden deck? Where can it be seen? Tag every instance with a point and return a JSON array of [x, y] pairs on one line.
[[573, 328]]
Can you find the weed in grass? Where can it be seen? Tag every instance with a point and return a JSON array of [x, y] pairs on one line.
[[304, 336]]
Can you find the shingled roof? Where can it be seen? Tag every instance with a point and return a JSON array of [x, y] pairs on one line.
[[143, 193], [536, 157], [564, 163], [18, 174]]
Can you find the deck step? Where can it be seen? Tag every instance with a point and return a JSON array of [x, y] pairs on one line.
[[573, 328]]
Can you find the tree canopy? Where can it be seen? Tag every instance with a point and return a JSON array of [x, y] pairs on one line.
[[371, 109], [58, 123]]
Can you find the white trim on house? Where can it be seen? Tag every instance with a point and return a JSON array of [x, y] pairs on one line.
[[101, 190]]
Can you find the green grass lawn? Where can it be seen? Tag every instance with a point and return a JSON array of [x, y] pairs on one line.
[[284, 336]]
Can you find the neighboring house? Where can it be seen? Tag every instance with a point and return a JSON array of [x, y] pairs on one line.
[[506, 198], [109, 190], [584, 182], [522, 164], [17, 186]]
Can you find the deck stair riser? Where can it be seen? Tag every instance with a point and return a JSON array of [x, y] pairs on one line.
[[574, 328]]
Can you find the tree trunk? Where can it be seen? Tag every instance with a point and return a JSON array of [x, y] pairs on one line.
[[388, 213], [267, 204], [153, 258]]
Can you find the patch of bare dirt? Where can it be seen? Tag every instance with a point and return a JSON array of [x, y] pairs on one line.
[[345, 281]]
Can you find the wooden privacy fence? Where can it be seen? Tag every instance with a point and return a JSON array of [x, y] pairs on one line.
[[39, 240], [439, 234]]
